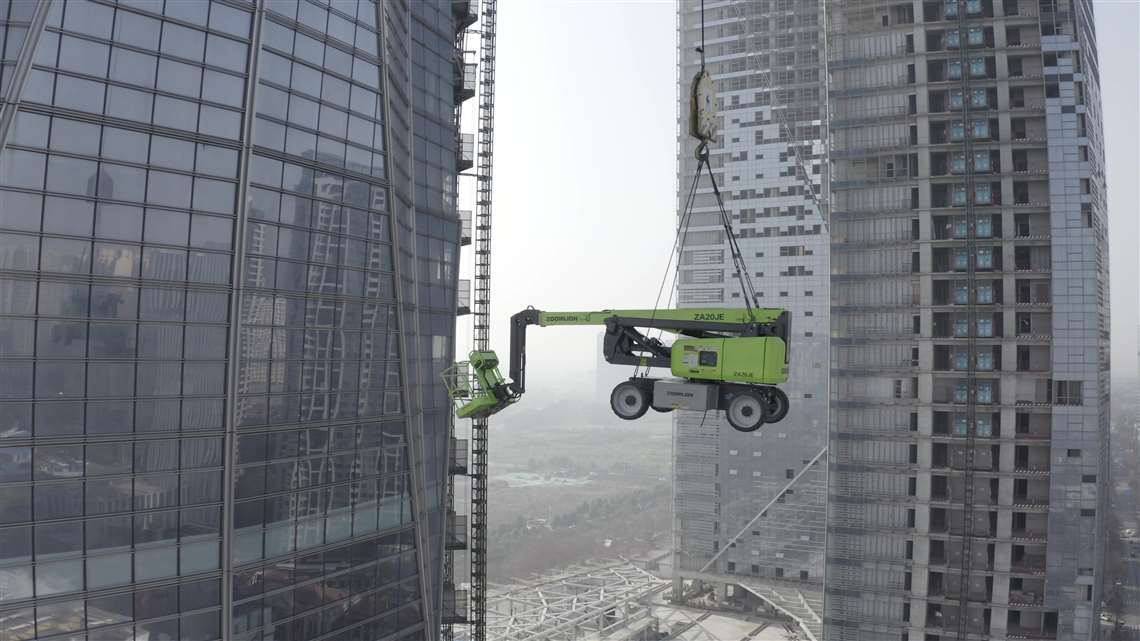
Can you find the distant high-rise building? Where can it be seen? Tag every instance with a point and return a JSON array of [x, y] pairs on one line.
[[969, 322], [767, 61], [227, 288]]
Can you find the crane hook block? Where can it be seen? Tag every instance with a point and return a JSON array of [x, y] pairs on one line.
[[702, 108]]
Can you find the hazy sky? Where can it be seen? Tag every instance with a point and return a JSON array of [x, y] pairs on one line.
[[585, 157]]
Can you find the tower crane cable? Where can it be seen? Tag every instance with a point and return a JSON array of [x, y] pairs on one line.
[[678, 243]]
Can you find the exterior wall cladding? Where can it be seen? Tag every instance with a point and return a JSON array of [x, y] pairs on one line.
[[226, 292], [765, 57], [969, 323]]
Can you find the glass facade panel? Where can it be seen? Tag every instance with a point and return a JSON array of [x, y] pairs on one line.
[[984, 227], [127, 358], [985, 361], [982, 161], [985, 392], [961, 361], [961, 392], [961, 259], [961, 328], [985, 426], [985, 327], [985, 294], [978, 67], [985, 258]]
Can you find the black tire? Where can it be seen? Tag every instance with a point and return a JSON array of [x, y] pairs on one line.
[[663, 410], [778, 405], [629, 401], [746, 411]]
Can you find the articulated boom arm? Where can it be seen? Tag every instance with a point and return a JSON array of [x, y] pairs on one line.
[[625, 344]]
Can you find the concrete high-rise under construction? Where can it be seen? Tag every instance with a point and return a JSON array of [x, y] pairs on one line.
[[969, 323], [733, 505]]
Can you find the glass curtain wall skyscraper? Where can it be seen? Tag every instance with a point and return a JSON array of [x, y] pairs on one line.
[[227, 288], [766, 58], [969, 321]]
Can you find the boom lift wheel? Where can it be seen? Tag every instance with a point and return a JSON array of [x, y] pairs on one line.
[[629, 401], [777, 402], [746, 411]]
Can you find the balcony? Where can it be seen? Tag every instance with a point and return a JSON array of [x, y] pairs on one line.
[[1029, 502], [466, 12], [454, 605], [1029, 564], [465, 152], [1034, 358], [1033, 292], [464, 227], [463, 297], [457, 462], [1021, 632], [1033, 393], [463, 80], [456, 532], [1032, 226], [1032, 259], [1033, 427]]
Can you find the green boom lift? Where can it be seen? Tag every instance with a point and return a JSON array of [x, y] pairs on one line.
[[724, 359]]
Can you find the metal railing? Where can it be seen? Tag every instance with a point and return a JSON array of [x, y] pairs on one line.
[[457, 462], [465, 227], [465, 152], [464, 81], [467, 12], [456, 531], [454, 605], [463, 297]]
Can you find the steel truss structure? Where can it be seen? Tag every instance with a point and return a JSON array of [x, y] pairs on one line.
[[576, 604]]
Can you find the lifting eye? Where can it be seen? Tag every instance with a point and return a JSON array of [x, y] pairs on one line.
[[707, 359]]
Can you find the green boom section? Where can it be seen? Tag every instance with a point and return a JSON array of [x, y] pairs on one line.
[[726, 315]]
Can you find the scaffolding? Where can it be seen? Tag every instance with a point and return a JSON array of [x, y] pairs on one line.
[[482, 317]]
